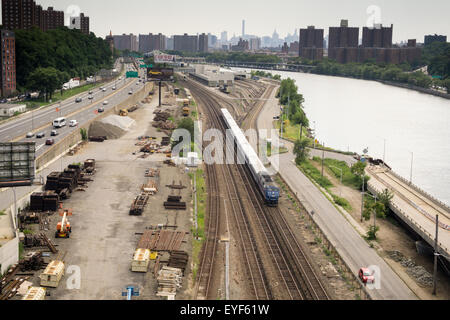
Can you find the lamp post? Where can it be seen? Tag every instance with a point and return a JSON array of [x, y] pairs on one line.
[[341, 178], [314, 134], [365, 151]]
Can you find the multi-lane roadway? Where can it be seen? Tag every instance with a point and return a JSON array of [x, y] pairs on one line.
[[41, 120]]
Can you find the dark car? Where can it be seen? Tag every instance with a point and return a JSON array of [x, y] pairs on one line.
[[77, 100], [101, 109], [54, 133], [50, 142], [40, 135], [90, 97]]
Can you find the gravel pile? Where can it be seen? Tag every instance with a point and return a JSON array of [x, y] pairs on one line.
[[419, 273], [113, 127], [123, 123]]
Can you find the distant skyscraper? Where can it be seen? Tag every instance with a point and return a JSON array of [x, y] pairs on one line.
[[224, 37], [243, 28]]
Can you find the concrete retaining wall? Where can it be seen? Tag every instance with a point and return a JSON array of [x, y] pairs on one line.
[[9, 254]]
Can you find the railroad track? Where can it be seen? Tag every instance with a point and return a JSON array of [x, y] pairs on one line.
[[206, 268], [251, 257], [294, 270]]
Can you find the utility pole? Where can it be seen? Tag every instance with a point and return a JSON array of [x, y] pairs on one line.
[[412, 160], [362, 200], [436, 254], [160, 94]]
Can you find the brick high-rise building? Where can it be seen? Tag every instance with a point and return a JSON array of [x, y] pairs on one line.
[[8, 62], [311, 43], [81, 23], [52, 19], [18, 14], [126, 42], [25, 14], [342, 37], [377, 37], [150, 42], [203, 43], [185, 43]]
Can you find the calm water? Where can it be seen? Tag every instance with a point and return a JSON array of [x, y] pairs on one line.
[[354, 114]]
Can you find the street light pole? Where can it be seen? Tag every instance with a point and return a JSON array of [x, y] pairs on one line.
[[314, 135], [412, 160]]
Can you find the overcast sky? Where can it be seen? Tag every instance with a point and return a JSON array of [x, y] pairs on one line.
[[411, 18]]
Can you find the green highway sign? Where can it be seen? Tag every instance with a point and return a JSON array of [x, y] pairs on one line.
[[132, 74], [146, 66]]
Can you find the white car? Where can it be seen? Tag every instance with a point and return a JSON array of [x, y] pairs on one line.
[[73, 123], [105, 103]]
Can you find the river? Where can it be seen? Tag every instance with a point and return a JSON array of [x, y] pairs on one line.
[[351, 114]]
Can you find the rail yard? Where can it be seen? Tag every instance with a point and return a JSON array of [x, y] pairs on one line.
[[118, 215]]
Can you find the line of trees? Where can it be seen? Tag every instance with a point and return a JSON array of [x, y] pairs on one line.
[[70, 52]]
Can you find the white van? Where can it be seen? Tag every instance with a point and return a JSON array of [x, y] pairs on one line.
[[59, 123]]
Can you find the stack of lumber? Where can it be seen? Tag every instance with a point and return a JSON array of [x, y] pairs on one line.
[[169, 280]]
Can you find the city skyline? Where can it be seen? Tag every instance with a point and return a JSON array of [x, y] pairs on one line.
[[261, 22]]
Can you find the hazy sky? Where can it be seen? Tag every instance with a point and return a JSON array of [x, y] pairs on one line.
[[411, 18]]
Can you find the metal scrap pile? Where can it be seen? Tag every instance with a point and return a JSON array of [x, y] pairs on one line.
[[139, 204]]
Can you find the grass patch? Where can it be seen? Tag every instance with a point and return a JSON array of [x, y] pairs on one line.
[[26, 231], [307, 168], [2, 213], [21, 250], [292, 132], [201, 209], [348, 178], [40, 102]]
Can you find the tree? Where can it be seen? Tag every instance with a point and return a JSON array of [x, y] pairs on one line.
[[301, 150], [46, 80], [385, 197], [372, 233], [359, 168], [188, 124]]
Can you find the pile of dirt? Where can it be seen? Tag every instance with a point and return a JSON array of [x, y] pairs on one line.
[[112, 127], [100, 129]]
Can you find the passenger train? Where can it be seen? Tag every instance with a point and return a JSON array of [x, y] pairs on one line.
[[267, 187]]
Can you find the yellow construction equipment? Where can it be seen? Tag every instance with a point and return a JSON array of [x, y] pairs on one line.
[[123, 112], [186, 103], [186, 112]]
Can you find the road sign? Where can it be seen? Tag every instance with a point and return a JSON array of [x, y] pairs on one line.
[[132, 74], [17, 164]]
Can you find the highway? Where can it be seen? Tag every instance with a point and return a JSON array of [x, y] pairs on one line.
[[414, 207], [41, 120]]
